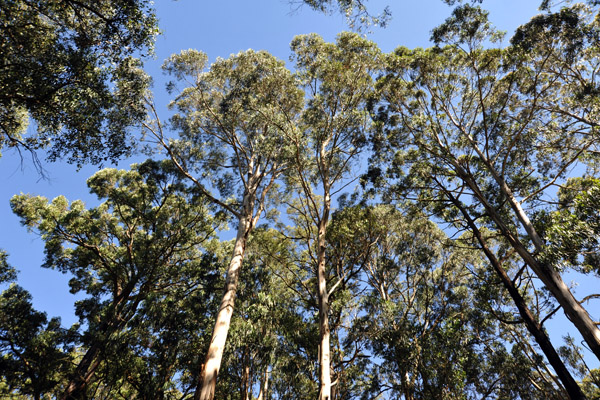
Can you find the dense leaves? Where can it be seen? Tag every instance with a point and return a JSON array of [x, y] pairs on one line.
[[484, 137], [36, 353], [71, 67], [142, 241]]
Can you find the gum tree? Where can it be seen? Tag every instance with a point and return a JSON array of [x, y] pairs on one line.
[[337, 78], [483, 136], [233, 122]]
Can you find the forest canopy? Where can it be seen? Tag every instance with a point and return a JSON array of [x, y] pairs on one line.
[[404, 223]]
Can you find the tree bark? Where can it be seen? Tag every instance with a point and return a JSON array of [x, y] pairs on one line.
[[208, 376], [83, 375], [264, 387], [245, 381]]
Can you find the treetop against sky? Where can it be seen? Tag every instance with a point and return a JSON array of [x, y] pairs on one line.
[[217, 30]]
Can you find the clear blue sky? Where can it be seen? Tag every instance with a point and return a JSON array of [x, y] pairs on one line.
[[218, 28]]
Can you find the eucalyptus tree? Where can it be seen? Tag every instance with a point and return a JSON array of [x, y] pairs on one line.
[[257, 344], [484, 136], [131, 247], [233, 122], [337, 78], [434, 319], [70, 66]]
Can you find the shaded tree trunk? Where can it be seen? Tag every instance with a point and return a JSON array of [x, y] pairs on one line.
[[83, 374], [246, 379], [533, 326]]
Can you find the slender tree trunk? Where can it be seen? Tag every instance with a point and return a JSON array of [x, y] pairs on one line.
[[210, 369], [264, 387], [324, 330], [547, 274], [245, 381], [533, 326], [407, 386]]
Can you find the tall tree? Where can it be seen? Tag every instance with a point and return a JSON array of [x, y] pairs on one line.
[[131, 246], [433, 315], [71, 67], [489, 133], [338, 81], [233, 122]]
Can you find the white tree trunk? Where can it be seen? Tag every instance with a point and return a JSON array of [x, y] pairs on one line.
[[262, 395], [324, 330], [210, 369]]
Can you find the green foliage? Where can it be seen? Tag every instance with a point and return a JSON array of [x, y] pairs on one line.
[[482, 137], [428, 316], [491, 129], [591, 384], [7, 273], [411, 313], [155, 355], [35, 354], [572, 231], [338, 79], [233, 122], [70, 66], [143, 241]]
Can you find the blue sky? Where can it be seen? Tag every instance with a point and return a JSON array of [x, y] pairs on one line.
[[218, 28]]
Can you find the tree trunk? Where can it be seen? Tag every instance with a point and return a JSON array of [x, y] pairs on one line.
[[534, 328], [264, 387], [245, 381], [208, 376], [324, 330], [83, 374], [547, 274], [407, 387]]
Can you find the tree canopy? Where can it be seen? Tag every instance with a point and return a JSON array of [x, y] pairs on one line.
[[403, 223], [71, 75]]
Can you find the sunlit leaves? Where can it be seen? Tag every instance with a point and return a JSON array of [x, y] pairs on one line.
[[69, 66]]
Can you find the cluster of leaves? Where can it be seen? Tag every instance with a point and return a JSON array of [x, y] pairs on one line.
[[71, 67]]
